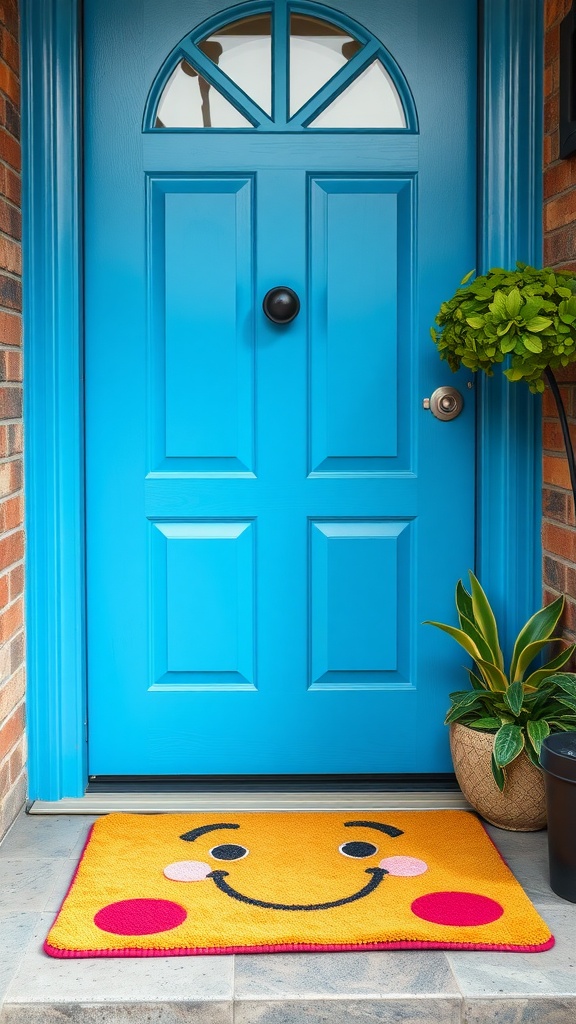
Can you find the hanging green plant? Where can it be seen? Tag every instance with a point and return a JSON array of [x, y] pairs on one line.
[[526, 314]]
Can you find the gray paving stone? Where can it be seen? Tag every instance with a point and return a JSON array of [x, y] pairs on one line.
[[60, 885], [32, 836], [9, 962], [187, 979], [27, 884], [503, 975], [527, 856], [123, 1013], [16, 930], [519, 1011], [357, 1011], [342, 975]]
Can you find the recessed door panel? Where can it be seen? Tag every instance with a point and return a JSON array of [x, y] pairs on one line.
[[202, 323], [360, 270]]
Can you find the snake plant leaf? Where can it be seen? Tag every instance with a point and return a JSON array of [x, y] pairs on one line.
[[514, 698], [539, 627], [475, 635], [476, 683], [464, 602], [527, 657], [485, 621], [537, 732], [493, 675], [508, 743], [550, 667], [498, 773], [459, 635]]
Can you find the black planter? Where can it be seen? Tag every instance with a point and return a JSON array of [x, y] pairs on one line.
[[558, 760]]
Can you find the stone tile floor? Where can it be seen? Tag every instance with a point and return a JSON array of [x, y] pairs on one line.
[[37, 860]]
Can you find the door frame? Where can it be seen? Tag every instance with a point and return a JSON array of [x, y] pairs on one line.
[[508, 430]]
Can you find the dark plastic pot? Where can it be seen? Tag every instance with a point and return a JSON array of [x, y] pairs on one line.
[[558, 759]]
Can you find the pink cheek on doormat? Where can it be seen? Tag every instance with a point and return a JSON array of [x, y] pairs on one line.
[[187, 871], [140, 917], [457, 908], [403, 867]]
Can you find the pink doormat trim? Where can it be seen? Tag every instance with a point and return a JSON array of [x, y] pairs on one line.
[[68, 954]]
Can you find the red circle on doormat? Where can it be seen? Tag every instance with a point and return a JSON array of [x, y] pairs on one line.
[[457, 908], [140, 917]]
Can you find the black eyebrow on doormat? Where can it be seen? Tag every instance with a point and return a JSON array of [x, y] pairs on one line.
[[390, 830], [195, 833]]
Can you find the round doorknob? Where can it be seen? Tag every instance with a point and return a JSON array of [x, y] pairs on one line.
[[281, 305], [445, 403]]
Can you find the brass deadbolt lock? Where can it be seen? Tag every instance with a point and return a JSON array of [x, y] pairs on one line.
[[445, 403]]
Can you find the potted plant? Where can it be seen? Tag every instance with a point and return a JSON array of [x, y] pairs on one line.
[[525, 317], [497, 727]]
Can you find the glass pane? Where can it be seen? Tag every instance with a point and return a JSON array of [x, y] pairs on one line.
[[244, 52], [370, 101], [317, 50], [189, 101]]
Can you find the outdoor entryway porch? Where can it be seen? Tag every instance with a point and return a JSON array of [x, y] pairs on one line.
[[37, 860]]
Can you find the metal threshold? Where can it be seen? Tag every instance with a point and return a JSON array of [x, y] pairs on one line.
[[157, 803]]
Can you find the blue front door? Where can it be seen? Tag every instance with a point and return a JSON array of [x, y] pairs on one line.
[[271, 512]]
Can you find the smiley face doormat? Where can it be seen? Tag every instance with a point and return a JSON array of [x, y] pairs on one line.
[[177, 884]]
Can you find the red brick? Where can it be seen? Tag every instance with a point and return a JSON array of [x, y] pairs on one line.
[[4, 779], [11, 693], [558, 505], [10, 184], [10, 151], [17, 652], [554, 574], [10, 292], [549, 405], [16, 761], [551, 113], [11, 731], [16, 581], [555, 10], [552, 44], [559, 211], [555, 471], [11, 549], [10, 221], [11, 620], [10, 403], [9, 16], [10, 366], [570, 581], [10, 328], [11, 513], [9, 83], [559, 540], [9, 50], [10, 255]]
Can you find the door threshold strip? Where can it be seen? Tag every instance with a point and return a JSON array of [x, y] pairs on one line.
[[156, 803]]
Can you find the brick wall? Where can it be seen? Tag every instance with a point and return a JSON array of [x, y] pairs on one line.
[[12, 739]]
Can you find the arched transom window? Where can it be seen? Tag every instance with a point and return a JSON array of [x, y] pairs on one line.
[[281, 67]]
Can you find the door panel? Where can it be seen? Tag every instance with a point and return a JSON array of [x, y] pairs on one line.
[[270, 512]]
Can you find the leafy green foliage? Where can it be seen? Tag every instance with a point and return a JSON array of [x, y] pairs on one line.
[[524, 316], [519, 709]]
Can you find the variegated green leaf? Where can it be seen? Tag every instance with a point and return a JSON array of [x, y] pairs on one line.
[[508, 743], [476, 636], [464, 602], [484, 619], [537, 732], [545, 672], [493, 675], [527, 657], [539, 627], [514, 697], [498, 773], [459, 635]]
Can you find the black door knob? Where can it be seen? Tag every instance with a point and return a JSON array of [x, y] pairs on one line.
[[281, 305]]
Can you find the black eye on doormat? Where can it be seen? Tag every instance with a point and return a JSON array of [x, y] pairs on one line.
[[568, 84]]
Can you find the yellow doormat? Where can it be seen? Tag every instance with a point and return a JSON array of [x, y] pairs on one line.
[[177, 884]]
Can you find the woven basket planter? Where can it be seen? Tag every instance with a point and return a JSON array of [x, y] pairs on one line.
[[522, 805]]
